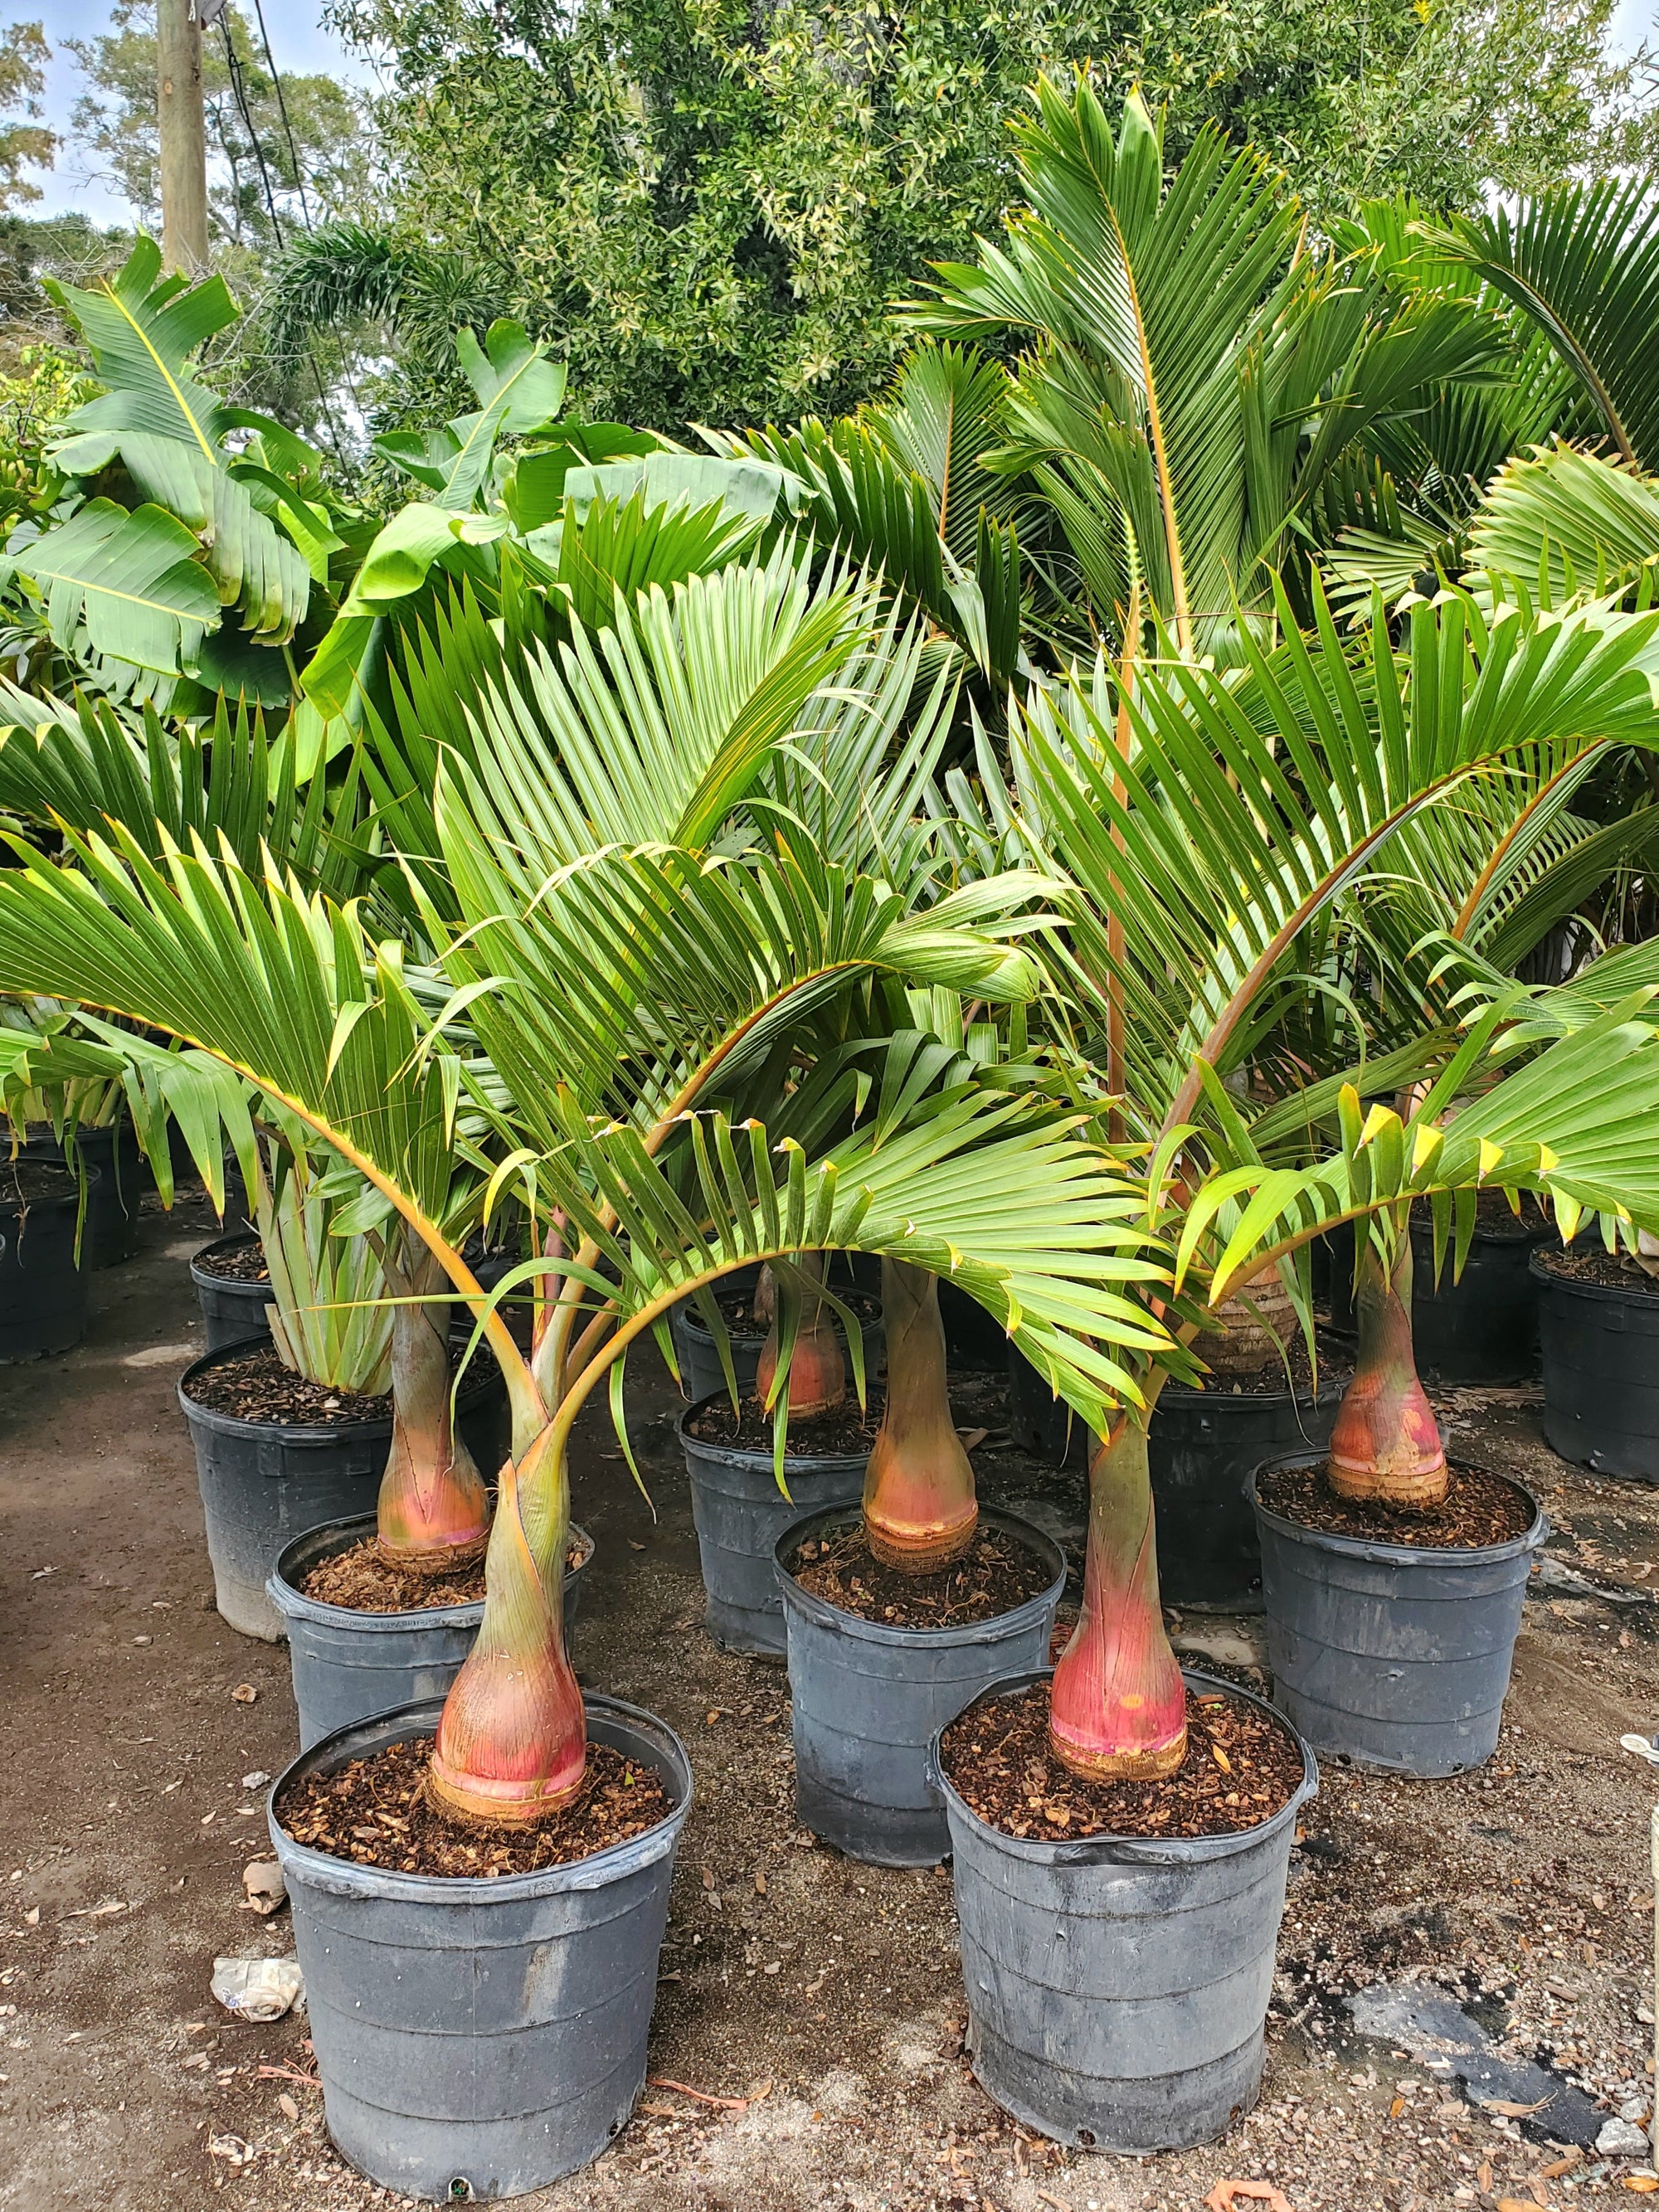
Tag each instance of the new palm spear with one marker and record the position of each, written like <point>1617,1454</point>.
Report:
<point>288,990</point>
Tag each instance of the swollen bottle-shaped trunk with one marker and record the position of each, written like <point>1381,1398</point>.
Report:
<point>1386,1444</point>
<point>817,1366</point>
<point>432,1510</point>
<point>1119,1703</point>
<point>512,1739</point>
<point>920,1510</point>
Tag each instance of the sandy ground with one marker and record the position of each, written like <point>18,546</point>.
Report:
<point>825,1996</point>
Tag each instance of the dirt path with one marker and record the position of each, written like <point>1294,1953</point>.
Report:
<point>825,1994</point>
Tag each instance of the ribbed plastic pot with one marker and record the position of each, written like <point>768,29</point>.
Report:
<point>1481,1328</point>
<point>1601,1373</point>
<point>701,1373</point>
<point>1395,1655</point>
<point>740,1513</point>
<point>43,1294</point>
<point>111,1233</point>
<point>1201,1447</point>
<point>231,1310</point>
<point>264,1483</point>
<point>478,2039</point>
<point>867,1699</point>
<point>1040,1423</point>
<point>1117,1986</point>
<point>347,1665</point>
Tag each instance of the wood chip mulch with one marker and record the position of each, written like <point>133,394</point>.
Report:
<point>255,1386</point>
<point>736,1310</point>
<point>1242,1766</point>
<point>1481,1508</point>
<point>1594,1263</point>
<point>363,1580</point>
<point>25,1182</point>
<point>996,1574</point>
<point>847,1431</point>
<point>376,1811</point>
<point>242,1263</point>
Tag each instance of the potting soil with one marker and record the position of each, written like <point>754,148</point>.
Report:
<point>1242,1766</point>
<point>994,1575</point>
<point>1480,1508</point>
<point>377,1811</point>
<point>362,1579</point>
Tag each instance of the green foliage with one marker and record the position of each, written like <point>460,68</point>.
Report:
<point>709,210</point>
<point>25,143</point>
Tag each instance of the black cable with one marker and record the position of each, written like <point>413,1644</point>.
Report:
<point>237,87</point>
<point>300,182</point>
<point>282,109</point>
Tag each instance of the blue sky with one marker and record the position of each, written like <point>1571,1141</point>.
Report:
<point>297,39</point>
<point>301,43</point>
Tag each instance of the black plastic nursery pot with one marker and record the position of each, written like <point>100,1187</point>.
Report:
<point>1118,1986</point>
<point>867,1699</point>
<point>264,1483</point>
<point>1202,1446</point>
<point>1397,1655</point>
<point>111,1231</point>
<point>349,1665</point>
<point>476,2039</point>
<point>739,1513</point>
<point>1039,1422</point>
<point>1600,1343</point>
<point>1482,1329</point>
<point>701,1373</point>
<point>43,1293</point>
<point>231,1309</point>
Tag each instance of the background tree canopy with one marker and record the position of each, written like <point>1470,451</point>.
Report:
<point>708,206</point>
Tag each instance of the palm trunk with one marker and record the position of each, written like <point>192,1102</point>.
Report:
<point>512,1744</point>
<point>817,1366</point>
<point>920,1510</point>
<point>1385,1445</point>
<point>1119,1703</point>
<point>433,1513</point>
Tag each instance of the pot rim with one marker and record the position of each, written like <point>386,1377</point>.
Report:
<point>1377,1553</point>
<point>347,1878</point>
<point>93,1174</point>
<point>692,1322</point>
<point>293,1603</point>
<point>293,1432</point>
<point>1125,1850</point>
<point>229,1282</point>
<point>760,1455</point>
<point>823,1615</point>
<point>1616,1294</point>
<point>1183,1393</point>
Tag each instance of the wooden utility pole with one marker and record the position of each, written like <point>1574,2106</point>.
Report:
<point>184,137</point>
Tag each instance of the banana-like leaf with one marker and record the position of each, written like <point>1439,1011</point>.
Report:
<point>140,329</point>
<point>255,567</point>
<point>121,587</point>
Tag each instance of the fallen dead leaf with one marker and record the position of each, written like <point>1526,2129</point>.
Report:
<point>1513,2111</point>
<point>702,2096</point>
<point>1561,2165</point>
<point>244,1694</point>
<point>1223,2196</point>
<point>1645,2184</point>
<point>1483,2177</point>
<point>1396,2108</point>
<point>760,1885</point>
<point>104,1909</point>
<point>1059,2203</point>
<point>287,2107</point>
<point>972,1438</point>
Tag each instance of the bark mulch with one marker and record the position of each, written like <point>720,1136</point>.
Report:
<point>255,1386</point>
<point>736,1310</point>
<point>243,1263</point>
<point>1594,1263</point>
<point>994,1575</point>
<point>24,1183</point>
<point>1242,1766</point>
<point>376,1811</point>
<point>846,1432</point>
<point>1481,1508</point>
<point>363,1580</point>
